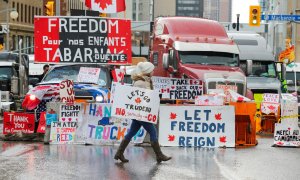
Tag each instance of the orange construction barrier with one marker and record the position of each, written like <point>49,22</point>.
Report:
<point>245,126</point>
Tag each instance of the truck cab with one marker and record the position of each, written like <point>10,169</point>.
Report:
<point>195,48</point>
<point>257,62</point>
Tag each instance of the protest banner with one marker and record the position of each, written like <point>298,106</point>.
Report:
<point>88,75</point>
<point>136,103</point>
<point>268,108</point>
<point>62,132</point>
<point>226,89</point>
<point>178,89</point>
<point>68,39</point>
<point>99,127</point>
<point>197,126</point>
<point>286,132</point>
<point>42,123</point>
<point>18,122</point>
<point>70,113</point>
<point>271,98</point>
<point>66,91</point>
<point>209,100</point>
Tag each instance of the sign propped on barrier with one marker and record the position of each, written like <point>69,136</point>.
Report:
<point>136,103</point>
<point>18,122</point>
<point>197,126</point>
<point>70,39</point>
<point>178,89</point>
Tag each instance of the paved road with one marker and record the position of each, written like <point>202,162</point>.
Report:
<point>39,161</point>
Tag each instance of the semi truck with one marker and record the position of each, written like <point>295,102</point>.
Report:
<point>195,48</point>
<point>14,69</point>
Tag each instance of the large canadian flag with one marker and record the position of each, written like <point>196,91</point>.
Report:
<point>106,6</point>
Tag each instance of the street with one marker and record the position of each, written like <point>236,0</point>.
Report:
<point>21,160</point>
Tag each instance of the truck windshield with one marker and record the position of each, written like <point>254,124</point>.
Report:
<point>60,73</point>
<point>5,72</point>
<point>261,68</point>
<point>208,58</point>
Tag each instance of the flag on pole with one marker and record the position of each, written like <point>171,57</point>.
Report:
<point>106,6</point>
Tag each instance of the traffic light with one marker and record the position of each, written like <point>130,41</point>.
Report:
<point>49,8</point>
<point>254,16</point>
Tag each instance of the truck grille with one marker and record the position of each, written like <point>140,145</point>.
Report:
<point>240,86</point>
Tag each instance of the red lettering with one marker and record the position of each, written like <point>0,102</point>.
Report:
<point>120,111</point>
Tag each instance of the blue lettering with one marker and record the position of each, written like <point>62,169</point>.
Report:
<point>181,141</point>
<point>58,138</point>
<point>207,114</point>
<point>107,111</point>
<point>196,115</point>
<point>181,126</point>
<point>212,127</point>
<point>173,124</point>
<point>188,141</point>
<point>204,127</point>
<point>92,128</point>
<point>221,127</point>
<point>189,126</point>
<point>210,142</point>
<point>197,124</point>
<point>92,110</point>
<point>186,115</point>
<point>112,137</point>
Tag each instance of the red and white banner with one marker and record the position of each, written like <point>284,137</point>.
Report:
<point>18,122</point>
<point>106,6</point>
<point>73,39</point>
<point>118,75</point>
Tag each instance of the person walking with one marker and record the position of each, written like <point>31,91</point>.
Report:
<point>142,78</point>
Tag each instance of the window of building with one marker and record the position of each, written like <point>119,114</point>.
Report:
<point>25,17</point>
<point>18,10</point>
<point>32,14</point>
<point>21,14</point>
<point>40,11</point>
<point>13,6</point>
<point>29,14</point>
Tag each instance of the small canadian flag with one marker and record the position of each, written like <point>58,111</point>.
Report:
<point>106,6</point>
<point>118,74</point>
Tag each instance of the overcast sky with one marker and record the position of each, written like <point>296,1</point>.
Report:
<point>242,7</point>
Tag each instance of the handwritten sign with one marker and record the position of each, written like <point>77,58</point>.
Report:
<point>136,103</point>
<point>66,91</point>
<point>209,100</point>
<point>70,39</point>
<point>70,113</point>
<point>226,89</point>
<point>113,89</point>
<point>271,98</point>
<point>62,132</point>
<point>88,75</point>
<point>286,135</point>
<point>178,89</point>
<point>99,127</point>
<point>18,122</point>
<point>197,126</point>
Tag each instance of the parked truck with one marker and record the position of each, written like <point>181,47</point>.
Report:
<point>186,47</point>
<point>13,79</point>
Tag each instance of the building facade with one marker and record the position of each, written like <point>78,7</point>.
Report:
<point>218,10</point>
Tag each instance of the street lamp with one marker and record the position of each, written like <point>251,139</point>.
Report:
<point>12,13</point>
<point>237,22</point>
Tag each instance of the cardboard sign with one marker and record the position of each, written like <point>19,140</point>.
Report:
<point>268,108</point>
<point>18,122</point>
<point>209,100</point>
<point>136,103</point>
<point>68,39</point>
<point>99,128</point>
<point>70,113</point>
<point>66,92</point>
<point>42,123</point>
<point>286,135</point>
<point>88,75</point>
<point>197,126</point>
<point>271,98</point>
<point>178,89</point>
<point>113,89</point>
<point>226,89</point>
<point>62,132</point>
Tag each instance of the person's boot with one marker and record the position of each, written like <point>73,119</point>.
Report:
<point>121,149</point>
<point>159,155</point>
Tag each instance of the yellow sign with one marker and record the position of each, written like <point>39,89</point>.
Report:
<point>254,16</point>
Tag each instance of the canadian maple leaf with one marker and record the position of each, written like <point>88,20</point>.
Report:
<point>218,116</point>
<point>206,100</point>
<point>171,137</point>
<point>271,107</point>
<point>223,139</point>
<point>103,3</point>
<point>280,143</point>
<point>138,100</point>
<point>240,99</point>
<point>173,115</point>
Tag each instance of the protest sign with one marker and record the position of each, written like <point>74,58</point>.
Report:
<point>62,132</point>
<point>209,100</point>
<point>136,103</point>
<point>18,122</point>
<point>226,89</point>
<point>286,135</point>
<point>268,108</point>
<point>99,127</point>
<point>197,126</point>
<point>178,89</point>
<point>113,89</point>
<point>42,123</point>
<point>70,113</point>
<point>271,98</point>
<point>68,39</point>
<point>88,75</point>
<point>66,91</point>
